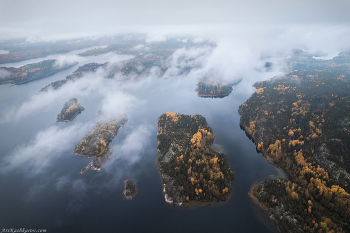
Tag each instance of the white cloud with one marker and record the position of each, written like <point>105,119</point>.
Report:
<point>4,73</point>
<point>43,149</point>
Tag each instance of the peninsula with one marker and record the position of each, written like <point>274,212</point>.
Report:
<point>300,122</point>
<point>31,72</point>
<point>193,174</point>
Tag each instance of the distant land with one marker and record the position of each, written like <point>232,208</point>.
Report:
<point>69,111</point>
<point>21,49</point>
<point>301,123</point>
<point>82,70</point>
<point>96,142</point>
<point>32,72</point>
<point>193,174</point>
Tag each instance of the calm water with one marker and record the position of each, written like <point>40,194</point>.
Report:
<point>50,192</point>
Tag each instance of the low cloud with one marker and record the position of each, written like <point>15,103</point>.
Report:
<point>46,146</point>
<point>156,36</point>
<point>66,60</point>
<point>4,73</point>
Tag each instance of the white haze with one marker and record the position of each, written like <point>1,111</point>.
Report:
<point>4,73</point>
<point>35,156</point>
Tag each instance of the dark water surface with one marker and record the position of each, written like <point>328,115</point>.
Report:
<point>59,199</point>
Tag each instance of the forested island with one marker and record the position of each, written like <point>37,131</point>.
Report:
<point>96,142</point>
<point>69,111</point>
<point>215,89</point>
<point>193,174</point>
<point>82,70</point>
<point>32,72</point>
<point>130,190</point>
<point>301,123</point>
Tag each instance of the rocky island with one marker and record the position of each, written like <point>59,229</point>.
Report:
<point>300,122</point>
<point>193,174</point>
<point>32,72</point>
<point>82,70</point>
<point>69,111</point>
<point>96,142</point>
<point>130,190</point>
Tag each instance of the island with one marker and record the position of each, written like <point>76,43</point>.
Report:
<point>82,70</point>
<point>69,111</point>
<point>215,89</point>
<point>31,72</point>
<point>300,122</point>
<point>193,174</point>
<point>130,190</point>
<point>96,142</point>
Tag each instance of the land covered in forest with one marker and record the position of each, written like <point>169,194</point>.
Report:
<point>69,111</point>
<point>82,70</point>
<point>301,123</point>
<point>193,174</point>
<point>96,142</point>
<point>130,190</point>
<point>31,72</point>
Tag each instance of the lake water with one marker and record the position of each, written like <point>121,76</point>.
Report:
<point>50,193</point>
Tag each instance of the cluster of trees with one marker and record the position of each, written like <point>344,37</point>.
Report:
<point>294,201</point>
<point>291,119</point>
<point>203,173</point>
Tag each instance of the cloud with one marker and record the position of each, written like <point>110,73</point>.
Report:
<point>184,59</point>
<point>4,73</point>
<point>133,146</point>
<point>138,47</point>
<point>47,145</point>
<point>156,36</point>
<point>63,60</point>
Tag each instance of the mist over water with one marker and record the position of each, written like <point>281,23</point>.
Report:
<point>41,183</point>
<point>39,174</point>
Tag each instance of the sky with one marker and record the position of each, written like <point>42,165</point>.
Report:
<point>42,17</point>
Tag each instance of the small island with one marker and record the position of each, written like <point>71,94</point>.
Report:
<point>69,111</point>
<point>96,142</point>
<point>31,72</point>
<point>215,89</point>
<point>193,174</point>
<point>130,190</point>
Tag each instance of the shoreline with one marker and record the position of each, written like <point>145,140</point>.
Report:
<point>262,211</point>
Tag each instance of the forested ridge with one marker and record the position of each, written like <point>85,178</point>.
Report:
<point>197,172</point>
<point>301,123</point>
